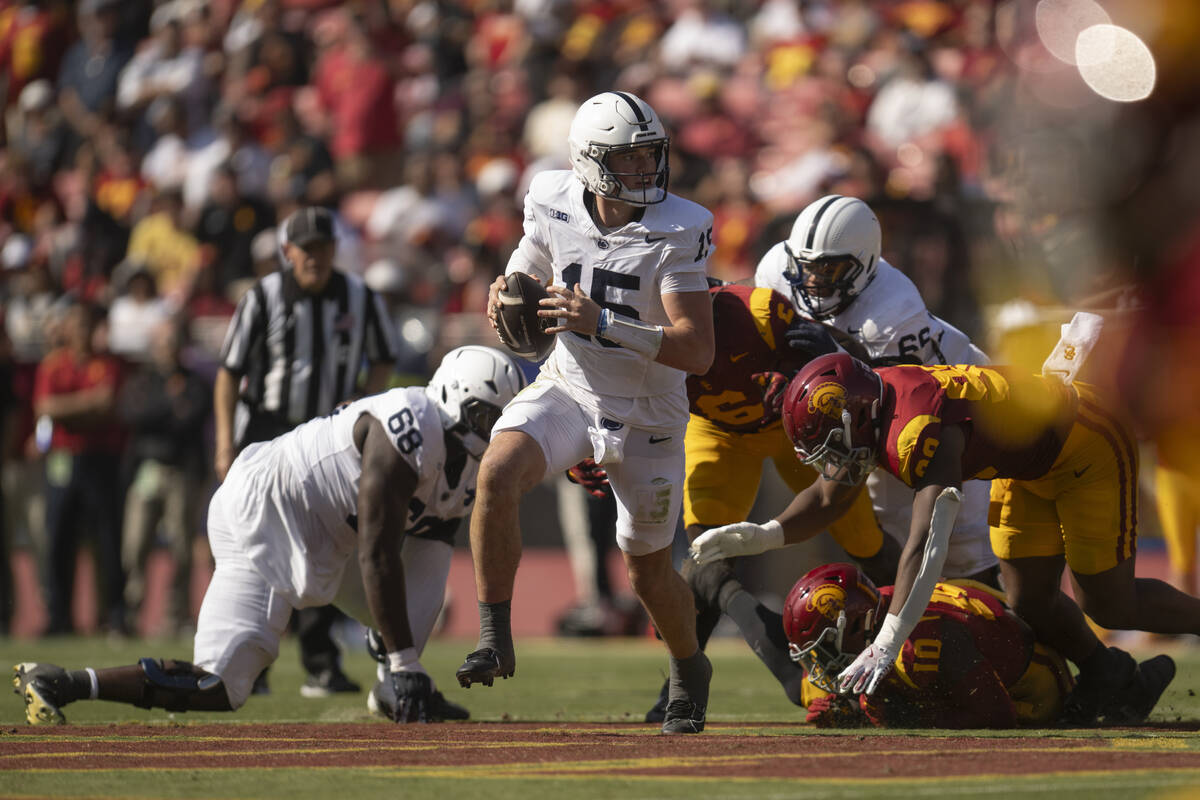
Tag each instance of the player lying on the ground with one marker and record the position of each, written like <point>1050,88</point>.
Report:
<point>1064,492</point>
<point>969,662</point>
<point>286,521</point>
<point>735,429</point>
<point>624,261</point>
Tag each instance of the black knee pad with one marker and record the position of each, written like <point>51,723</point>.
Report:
<point>172,688</point>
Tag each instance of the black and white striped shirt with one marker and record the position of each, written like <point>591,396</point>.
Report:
<point>299,355</point>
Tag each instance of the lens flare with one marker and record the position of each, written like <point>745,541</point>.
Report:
<point>1115,63</point>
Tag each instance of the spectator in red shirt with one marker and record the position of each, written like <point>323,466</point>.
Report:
<point>355,87</point>
<point>74,395</point>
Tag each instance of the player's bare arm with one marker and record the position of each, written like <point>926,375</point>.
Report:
<point>688,344</point>
<point>385,488</point>
<point>815,509</point>
<point>225,394</point>
<point>809,513</point>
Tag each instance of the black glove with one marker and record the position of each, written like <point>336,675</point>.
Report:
<point>591,476</point>
<point>414,692</point>
<point>810,338</point>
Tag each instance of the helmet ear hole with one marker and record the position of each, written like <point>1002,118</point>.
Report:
<point>469,388</point>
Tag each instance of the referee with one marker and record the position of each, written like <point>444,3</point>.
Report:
<point>293,351</point>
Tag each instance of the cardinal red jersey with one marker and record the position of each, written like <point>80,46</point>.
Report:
<point>957,666</point>
<point>1015,422</point>
<point>749,324</point>
<point>1004,641</point>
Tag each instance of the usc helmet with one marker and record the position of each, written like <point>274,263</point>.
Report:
<point>470,388</point>
<point>614,122</point>
<point>820,609</point>
<point>831,415</point>
<point>833,254</point>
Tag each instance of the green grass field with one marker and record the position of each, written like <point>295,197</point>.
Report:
<point>557,680</point>
<point>603,680</point>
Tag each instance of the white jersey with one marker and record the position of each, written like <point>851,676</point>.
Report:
<point>627,270</point>
<point>293,501</point>
<point>889,318</point>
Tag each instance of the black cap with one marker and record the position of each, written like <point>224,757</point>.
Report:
<point>308,225</point>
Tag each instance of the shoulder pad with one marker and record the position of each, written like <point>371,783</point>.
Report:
<point>680,220</point>
<point>550,187</point>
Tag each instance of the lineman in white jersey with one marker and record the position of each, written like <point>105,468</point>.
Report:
<point>625,264</point>
<point>291,514</point>
<point>831,268</point>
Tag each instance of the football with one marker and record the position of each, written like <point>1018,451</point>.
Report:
<point>520,328</point>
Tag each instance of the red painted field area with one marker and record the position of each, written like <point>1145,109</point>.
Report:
<point>612,750</point>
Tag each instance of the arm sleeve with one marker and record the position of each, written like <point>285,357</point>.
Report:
<point>248,322</point>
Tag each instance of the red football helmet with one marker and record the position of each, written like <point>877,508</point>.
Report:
<point>820,609</point>
<point>831,414</point>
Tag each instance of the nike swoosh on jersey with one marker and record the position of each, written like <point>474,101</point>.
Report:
<point>652,240</point>
<point>658,439</point>
<point>1079,472</point>
<point>738,357</point>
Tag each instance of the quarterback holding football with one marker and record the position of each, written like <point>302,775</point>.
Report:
<point>624,264</point>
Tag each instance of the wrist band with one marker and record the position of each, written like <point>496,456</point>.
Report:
<point>773,534</point>
<point>400,660</point>
<point>630,333</point>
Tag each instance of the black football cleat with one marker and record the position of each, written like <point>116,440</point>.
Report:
<point>1133,705</point>
<point>683,716</point>
<point>658,712</point>
<point>483,666</point>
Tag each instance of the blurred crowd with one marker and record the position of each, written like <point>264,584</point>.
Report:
<point>150,148</point>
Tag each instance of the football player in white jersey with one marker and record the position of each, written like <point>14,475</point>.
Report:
<point>288,518</point>
<point>625,262</point>
<point>830,266</point>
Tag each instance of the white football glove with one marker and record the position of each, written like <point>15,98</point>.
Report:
<point>738,539</point>
<point>865,672</point>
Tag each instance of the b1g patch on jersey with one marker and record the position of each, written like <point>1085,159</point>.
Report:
<point>561,216</point>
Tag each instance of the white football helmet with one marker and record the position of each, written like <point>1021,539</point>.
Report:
<point>471,387</point>
<point>613,122</point>
<point>833,254</point>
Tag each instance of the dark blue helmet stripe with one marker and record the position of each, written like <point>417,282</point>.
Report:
<point>812,227</point>
<point>637,111</point>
